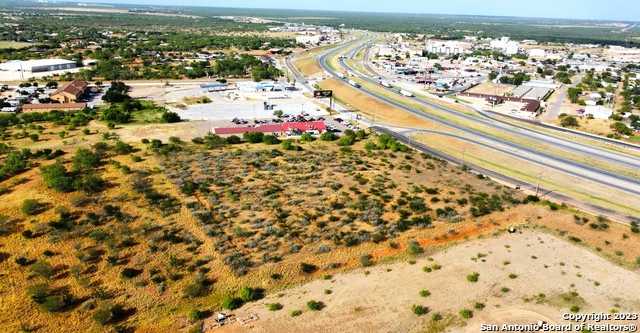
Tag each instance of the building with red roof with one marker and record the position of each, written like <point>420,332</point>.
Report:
<point>275,128</point>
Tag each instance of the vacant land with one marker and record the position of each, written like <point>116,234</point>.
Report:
<point>519,278</point>
<point>105,231</point>
<point>13,45</point>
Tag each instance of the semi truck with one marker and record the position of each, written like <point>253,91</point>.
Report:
<point>406,93</point>
<point>354,83</point>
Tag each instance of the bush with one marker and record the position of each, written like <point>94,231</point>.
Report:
<point>308,268</point>
<point>479,306</point>
<point>89,183</point>
<point>231,303</point>
<point>327,136</point>
<point>49,299</point>
<point>569,121</point>
<point>122,148</point>
<point>109,314</point>
<point>55,176</point>
<point>366,260</point>
<point>473,277</point>
<point>247,294</point>
<point>170,117</point>
<point>274,306</point>
<point>419,310</point>
<point>195,315</point>
<point>233,140</point>
<point>315,305</point>
<point>425,293</point>
<point>270,140</point>
<point>466,313</point>
<point>43,269</point>
<point>129,273</point>
<point>32,207</point>
<point>414,248</point>
<point>253,137</point>
<point>197,288</point>
<point>296,313</point>
<point>85,160</point>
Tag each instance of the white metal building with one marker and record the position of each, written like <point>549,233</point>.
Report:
<point>505,45</point>
<point>37,66</point>
<point>448,47</point>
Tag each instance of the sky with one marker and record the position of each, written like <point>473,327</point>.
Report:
<point>581,9</point>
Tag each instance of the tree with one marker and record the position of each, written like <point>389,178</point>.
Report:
<point>55,176</point>
<point>85,160</point>
<point>117,93</point>
<point>253,137</point>
<point>574,94</point>
<point>569,121</point>
<point>170,117</point>
<point>621,128</point>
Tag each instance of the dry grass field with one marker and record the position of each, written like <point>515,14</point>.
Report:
<point>111,234</point>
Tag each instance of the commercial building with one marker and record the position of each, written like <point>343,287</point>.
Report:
<point>26,69</point>
<point>70,93</point>
<point>448,47</point>
<point>37,66</point>
<point>283,128</point>
<point>505,45</point>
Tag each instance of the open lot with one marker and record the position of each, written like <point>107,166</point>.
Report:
<point>379,299</point>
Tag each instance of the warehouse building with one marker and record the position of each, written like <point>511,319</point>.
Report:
<point>38,66</point>
<point>26,69</point>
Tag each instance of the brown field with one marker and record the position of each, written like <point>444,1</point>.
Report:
<point>307,66</point>
<point>178,227</point>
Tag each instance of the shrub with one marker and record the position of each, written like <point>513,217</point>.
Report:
<point>122,148</point>
<point>170,117</point>
<point>274,306</point>
<point>253,137</point>
<point>466,313</point>
<point>247,294</point>
<point>197,288</point>
<point>129,273</point>
<point>49,299</point>
<point>315,305</point>
<point>308,268</point>
<point>296,313</point>
<point>43,269</point>
<point>195,315</point>
<point>569,121</point>
<point>366,260</point>
<point>233,140</point>
<point>479,306</point>
<point>425,293</point>
<point>231,303</point>
<point>85,160</point>
<point>32,207</point>
<point>473,277</point>
<point>419,310</point>
<point>89,183</point>
<point>327,136</point>
<point>110,313</point>
<point>414,248</point>
<point>270,140</point>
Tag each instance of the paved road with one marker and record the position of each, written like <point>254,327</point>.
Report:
<point>626,184</point>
